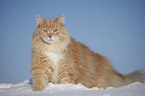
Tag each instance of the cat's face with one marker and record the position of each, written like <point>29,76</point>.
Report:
<point>50,35</point>
<point>51,30</point>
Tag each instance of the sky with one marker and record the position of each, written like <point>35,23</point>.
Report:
<point>112,28</point>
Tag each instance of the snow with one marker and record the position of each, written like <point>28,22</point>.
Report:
<point>25,89</point>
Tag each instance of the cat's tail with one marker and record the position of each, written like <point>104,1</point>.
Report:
<point>137,76</point>
<point>121,80</point>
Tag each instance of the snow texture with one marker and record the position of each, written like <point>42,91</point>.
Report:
<point>25,89</point>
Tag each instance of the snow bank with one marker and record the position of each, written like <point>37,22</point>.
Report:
<point>25,89</point>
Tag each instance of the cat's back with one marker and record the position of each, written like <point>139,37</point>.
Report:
<point>83,53</point>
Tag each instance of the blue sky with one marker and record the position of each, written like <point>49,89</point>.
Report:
<point>112,28</point>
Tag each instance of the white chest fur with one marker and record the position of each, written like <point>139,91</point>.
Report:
<point>55,57</point>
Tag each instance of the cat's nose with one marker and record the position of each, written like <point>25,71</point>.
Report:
<point>49,36</point>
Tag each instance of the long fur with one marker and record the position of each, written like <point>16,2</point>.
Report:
<point>68,61</point>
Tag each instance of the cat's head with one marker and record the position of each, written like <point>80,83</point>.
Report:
<point>51,30</point>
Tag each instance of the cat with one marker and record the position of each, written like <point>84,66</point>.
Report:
<point>58,58</point>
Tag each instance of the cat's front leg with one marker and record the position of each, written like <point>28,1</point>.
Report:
<point>41,70</point>
<point>39,79</point>
<point>39,83</point>
<point>66,77</point>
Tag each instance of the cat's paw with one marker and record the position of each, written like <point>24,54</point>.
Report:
<point>38,85</point>
<point>65,80</point>
<point>38,88</point>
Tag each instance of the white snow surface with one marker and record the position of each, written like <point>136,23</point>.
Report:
<point>25,89</point>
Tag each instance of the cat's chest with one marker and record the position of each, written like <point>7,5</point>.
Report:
<point>54,56</point>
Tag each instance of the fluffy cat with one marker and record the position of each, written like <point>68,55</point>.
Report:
<point>58,58</point>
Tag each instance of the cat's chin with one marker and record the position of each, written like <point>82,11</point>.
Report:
<point>50,42</point>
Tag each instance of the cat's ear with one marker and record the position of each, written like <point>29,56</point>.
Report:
<point>61,19</point>
<point>39,20</point>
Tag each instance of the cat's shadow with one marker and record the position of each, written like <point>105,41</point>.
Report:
<point>30,81</point>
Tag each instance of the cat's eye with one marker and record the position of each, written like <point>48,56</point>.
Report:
<point>45,31</point>
<point>55,30</point>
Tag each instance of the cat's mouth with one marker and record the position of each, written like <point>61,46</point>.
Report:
<point>50,41</point>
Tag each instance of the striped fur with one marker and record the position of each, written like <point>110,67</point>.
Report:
<point>60,59</point>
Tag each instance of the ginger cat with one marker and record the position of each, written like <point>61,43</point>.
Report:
<point>58,58</point>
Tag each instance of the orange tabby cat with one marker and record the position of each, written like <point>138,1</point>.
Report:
<point>58,58</point>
